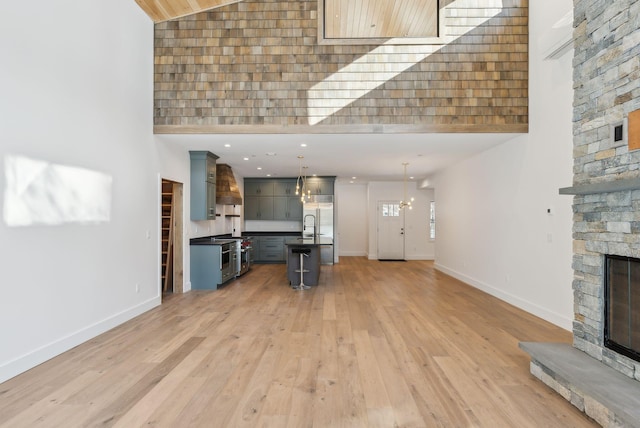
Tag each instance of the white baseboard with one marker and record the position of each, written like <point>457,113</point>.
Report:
<point>38,356</point>
<point>412,257</point>
<point>545,314</point>
<point>421,257</point>
<point>352,253</point>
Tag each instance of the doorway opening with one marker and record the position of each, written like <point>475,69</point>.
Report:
<point>390,231</point>
<point>171,248</point>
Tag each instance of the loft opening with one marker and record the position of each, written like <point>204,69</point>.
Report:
<point>378,21</point>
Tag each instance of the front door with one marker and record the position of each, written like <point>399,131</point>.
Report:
<point>390,231</point>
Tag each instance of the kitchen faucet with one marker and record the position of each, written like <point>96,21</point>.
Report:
<point>304,223</point>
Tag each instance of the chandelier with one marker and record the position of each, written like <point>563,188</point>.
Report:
<point>301,182</point>
<point>405,203</point>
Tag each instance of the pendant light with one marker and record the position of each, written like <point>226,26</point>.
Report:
<point>301,183</point>
<point>405,203</point>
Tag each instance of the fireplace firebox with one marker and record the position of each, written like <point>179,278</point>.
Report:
<point>622,305</point>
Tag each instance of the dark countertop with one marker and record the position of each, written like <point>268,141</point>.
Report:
<point>309,242</point>
<point>225,238</point>
<point>271,233</point>
<point>210,240</point>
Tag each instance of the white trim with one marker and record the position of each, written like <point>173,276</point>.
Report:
<point>353,254</point>
<point>420,257</point>
<point>559,49</point>
<point>46,352</point>
<point>539,311</point>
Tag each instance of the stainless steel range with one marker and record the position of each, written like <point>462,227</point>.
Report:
<point>245,246</point>
<point>228,260</point>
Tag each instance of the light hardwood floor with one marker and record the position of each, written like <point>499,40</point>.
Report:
<point>378,344</point>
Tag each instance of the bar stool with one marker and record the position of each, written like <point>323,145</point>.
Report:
<point>304,252</point>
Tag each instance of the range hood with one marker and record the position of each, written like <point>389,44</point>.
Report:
<point>227,192</point>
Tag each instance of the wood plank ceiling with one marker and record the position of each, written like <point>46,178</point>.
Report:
<point>165,10</point>
<point>355,19</point>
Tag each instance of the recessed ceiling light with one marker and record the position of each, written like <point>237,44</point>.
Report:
<point>268,175</point>
<point>259,168</point>
<point>227,145</point>
<point>351,182</point>
<point>353,178</point>
<point>303,145</point>
<point>410,178</point>
<point>246,158</point>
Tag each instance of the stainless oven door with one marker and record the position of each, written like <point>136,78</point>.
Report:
<point>245,257</point>
<point>227,262</point>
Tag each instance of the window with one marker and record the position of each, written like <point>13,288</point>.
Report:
<point>432,220</point>
<point>390,210</point>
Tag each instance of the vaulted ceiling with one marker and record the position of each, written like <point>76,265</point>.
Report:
<point>343,19</point>
<point>165,10</point>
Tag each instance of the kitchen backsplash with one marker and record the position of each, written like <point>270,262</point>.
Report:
<point>272,226</point>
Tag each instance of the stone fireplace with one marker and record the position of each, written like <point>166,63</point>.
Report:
<point>605,224</point>
<point>601,380</point>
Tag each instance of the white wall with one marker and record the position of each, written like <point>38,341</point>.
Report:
<point>417,243</point>
<point>351,219</point>
<point>77,90</point>
<point>493,230</point>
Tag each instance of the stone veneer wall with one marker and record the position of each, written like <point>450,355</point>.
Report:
<point>607,88</point>
<point>254,62</point>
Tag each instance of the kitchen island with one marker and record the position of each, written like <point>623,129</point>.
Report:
<point>310,247</point>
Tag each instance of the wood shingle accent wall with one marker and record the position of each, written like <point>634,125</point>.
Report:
<point>257,66</point>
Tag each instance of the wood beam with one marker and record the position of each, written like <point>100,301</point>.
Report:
<point>165,10</point>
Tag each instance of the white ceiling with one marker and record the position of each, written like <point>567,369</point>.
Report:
<point>368,157</point>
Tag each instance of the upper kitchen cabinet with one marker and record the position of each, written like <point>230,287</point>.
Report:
<point>320,185</point>
<point>258,187</point>
<point>203,185</point>
<point>258,208</point>
<point>284,187</point>
<point>287,208</point>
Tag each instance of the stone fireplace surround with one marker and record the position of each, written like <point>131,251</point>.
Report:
<point>599,381</point>
<point>606,206</point>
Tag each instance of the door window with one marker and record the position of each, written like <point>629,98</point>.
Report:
<point>390,210</point>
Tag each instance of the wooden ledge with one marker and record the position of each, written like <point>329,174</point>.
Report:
<point>340,129</point>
